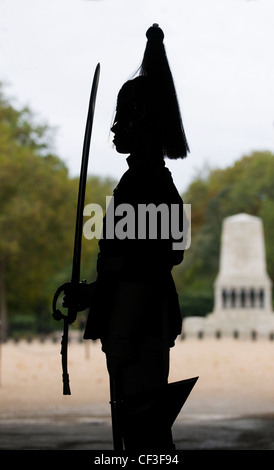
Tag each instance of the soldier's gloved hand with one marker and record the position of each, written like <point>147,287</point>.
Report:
<point>76,296</point>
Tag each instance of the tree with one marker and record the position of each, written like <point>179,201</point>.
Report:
<point>246,186</point>
<point>33,183</point>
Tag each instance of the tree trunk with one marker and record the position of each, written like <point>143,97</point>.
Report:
<point>3,304</point>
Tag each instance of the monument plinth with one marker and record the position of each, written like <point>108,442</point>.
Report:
<point>242,289</point>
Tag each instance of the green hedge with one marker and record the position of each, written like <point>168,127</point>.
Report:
<point>196,304</point>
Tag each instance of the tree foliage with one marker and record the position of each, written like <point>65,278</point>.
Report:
<point>38,203</point>
<point>246,186</point>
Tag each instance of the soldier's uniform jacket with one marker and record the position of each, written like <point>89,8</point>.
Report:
<point>131,266</point>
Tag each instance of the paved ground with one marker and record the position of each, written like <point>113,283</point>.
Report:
<point>81,433</point>
<point>235,390</point>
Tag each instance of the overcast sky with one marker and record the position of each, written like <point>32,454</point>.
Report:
<point>220,53</point>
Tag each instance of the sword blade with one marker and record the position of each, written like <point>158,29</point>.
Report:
<point>75,277</point>
<point>76,263</point>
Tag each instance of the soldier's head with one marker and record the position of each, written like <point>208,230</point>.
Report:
<point>147,112</point>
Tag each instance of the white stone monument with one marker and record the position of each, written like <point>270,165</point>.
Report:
<point>243,298</point>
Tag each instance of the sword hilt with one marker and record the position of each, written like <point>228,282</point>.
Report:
<point>72,311</point>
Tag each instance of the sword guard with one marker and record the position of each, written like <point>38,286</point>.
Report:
<point>57,314</point>
<point>75,301</point>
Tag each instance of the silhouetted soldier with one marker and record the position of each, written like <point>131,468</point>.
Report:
<point>134,310</point>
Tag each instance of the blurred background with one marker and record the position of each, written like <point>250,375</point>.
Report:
<point>220,53</point>
<point>221,56</point>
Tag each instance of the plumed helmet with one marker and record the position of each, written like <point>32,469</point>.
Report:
<point>151,98</point>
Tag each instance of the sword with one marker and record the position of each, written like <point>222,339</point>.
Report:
<point>75,276</point>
